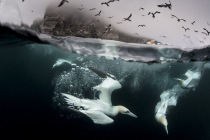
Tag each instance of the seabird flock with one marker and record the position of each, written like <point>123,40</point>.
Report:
<point>153,14</point>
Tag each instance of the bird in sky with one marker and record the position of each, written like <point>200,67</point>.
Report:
<point>92,9</point>
<point>178,19</point>
<point>106,3</point>
<point>206,31</point>
<point>166,5</point>
<point>142,25</point>
<point>185,28</point>
<point>193,23</point>
<point>153,14</point>
<point>141,8</point>
<point>98,13</point>
<point>99,110</point>
<point>128,18</point>
<point>62,2</point>
<point>110,17</point>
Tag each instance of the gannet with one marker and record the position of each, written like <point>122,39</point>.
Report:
<point>99,110</point>
<point>160,115</point>
<point>191,81</point>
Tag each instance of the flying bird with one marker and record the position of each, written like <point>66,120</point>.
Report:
<point>110,17</point>
<point>106,3</point>
<point>98,14</point>
<point>153,14</point>
<point>193,23</point>
<point>185,28</point>
<point>166,5</point>
<point>141,8</point>
<point>206,31</point>
<point>101,109</point>
<point>196,31</point>
<point>178,19</point>
<point>128,18</point>
<point>119,22</point>
<point>163,36</point>
<point>92,9</point>
<point>142,25</point>
<point>62,2</point>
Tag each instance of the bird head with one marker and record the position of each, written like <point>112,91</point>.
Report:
<point>162,120</point>
<point>180,81</point>
<point>124,110</point>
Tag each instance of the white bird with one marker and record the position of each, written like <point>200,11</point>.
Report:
<point>192,80</point>
<point>160,115</point>
<point>99,110</point>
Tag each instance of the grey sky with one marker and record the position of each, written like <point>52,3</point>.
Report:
<point>162,25</point>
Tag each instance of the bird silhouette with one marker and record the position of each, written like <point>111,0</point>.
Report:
<point>163,36</point>
<point>193,23</point>
<point>196,31</point>
<point>185,28</point>
<point>128,18</point>
<point>136,34</point>
<point>141,8</point>
<point>98,14</point>
<point>178,19</point>
<point>142,25</point>
<point>119,22</point>
<point>110,17</point>
<point>206,31</point>
<point>92,9</point>
<point>62,2</point>
<point>106,3</point>
<point>166,5</point>
<point>153,14</point>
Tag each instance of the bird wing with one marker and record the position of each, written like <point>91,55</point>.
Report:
<point>97,117</point>
<point>106,88</point>
<point>189,73</point>
<point>157,12</point>
<point>61,3</point>
<point>129,16</point>
<point>161,5</point>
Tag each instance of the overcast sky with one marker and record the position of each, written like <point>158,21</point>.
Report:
<point>163,25</point>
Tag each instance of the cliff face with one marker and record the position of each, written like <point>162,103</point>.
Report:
<point>57,24</point>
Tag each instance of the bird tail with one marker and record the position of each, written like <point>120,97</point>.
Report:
<point>71,100</point>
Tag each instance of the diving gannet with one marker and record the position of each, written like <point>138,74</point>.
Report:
<point>99,110</point>
<point>160,115</point>
<point>192,79</point>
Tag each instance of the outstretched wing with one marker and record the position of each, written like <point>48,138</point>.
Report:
<point>61,3</point>
<point>106,88</point>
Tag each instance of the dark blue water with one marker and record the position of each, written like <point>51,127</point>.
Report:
<point>28,106</point>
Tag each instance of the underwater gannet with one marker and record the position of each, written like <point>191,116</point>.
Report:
<point>160,115</point>
<point>99,110</point>
<point>192,79</point>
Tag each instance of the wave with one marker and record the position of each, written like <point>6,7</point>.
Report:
<point>13,36</point>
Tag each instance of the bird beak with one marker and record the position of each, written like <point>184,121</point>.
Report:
<point>166,129</point>
<point>131,114</point>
